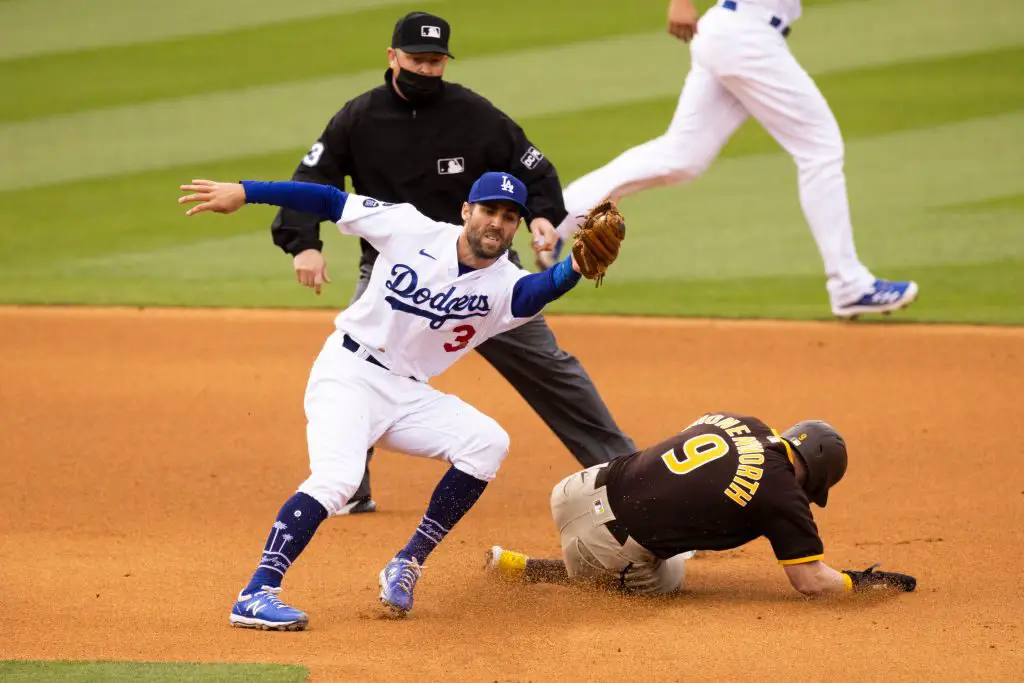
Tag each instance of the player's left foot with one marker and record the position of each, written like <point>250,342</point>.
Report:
<point>397,583</point>
<point>505,563</point>
<point>359,506</point>
<point>885,296</point>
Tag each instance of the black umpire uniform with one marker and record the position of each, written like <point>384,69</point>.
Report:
<point>427,150</point>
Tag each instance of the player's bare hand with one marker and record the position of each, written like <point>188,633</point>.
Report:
<point>575,266</point>
<point>213,196</point>
<point>682,19</point>
<point>545,236</point>
<point>311,269</point>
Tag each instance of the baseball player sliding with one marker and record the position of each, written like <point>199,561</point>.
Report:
<point>720,483</point>
<point>436,292</point>
<point>741,67</point>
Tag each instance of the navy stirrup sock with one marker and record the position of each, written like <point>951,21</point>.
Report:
<point>454,496</point>
<point>296,523</point>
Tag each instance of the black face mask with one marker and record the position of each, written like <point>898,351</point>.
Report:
<point>418,88</point>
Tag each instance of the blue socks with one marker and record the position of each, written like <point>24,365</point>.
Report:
<point>454,496</point>
<point>296,523</point>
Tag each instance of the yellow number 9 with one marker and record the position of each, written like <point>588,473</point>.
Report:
<point>700,450</point>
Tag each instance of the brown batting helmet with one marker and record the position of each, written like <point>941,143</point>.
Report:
<point>824,453</point>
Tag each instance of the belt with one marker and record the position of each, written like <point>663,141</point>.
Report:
<point>352,345</point>
<point>617,529</point>
<point>775,22</point>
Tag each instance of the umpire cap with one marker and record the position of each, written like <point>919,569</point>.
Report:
<point>419,32</point>
<point>823,451</point>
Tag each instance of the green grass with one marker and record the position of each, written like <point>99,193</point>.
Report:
<point>933,132</point>
<point>949,294</point>
<point>295,50</point>
<point>145,672</point>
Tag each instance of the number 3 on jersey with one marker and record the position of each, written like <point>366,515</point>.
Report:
<point>464,334</point>
<point>700,450</point>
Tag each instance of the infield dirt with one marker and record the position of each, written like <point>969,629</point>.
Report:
<point>146,452</point>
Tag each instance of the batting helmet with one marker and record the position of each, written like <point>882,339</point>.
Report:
<point>824,453</point>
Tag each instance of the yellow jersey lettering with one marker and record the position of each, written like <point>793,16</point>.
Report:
<point>749,485</point>
<point>752,459</point>
<point>738,495</point>
<point>750,472</point>
<point>727,422</point>
<point>737,430</point>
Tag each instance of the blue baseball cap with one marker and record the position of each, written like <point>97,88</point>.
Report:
<point>495,185</point>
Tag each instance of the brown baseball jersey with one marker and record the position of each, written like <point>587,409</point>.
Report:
<point>721,482</point>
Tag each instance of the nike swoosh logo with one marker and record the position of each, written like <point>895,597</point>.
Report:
<point>424,253</point>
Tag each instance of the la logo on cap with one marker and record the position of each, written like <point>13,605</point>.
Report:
<point>507,185</point>
<point>430,32</point>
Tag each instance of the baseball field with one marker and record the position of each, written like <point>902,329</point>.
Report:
<point>152,367</point>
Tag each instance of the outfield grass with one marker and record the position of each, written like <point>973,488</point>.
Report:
<point>96,137</point>
<point>147,672</point>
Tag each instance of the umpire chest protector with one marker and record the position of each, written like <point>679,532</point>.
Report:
<point>427,154</point>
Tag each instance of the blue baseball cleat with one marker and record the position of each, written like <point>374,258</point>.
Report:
<point>264,610</point>
<point>397,583</point>
<point>885,296</point>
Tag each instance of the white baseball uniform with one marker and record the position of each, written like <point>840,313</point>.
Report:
<point>417,317</point>
<point>742,66</point>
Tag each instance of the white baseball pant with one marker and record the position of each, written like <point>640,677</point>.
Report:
<point>742,66</point>
<point>352,404</point>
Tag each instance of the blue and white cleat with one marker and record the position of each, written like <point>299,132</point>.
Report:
<point>264,610</point>
<point>397,583</point>
<point>885,297</point>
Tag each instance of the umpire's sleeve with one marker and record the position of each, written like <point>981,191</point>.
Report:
<point>522,159</point>
<point>326,163</point>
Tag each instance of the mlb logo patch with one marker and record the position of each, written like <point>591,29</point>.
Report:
<point>532,157</point>
<point>430,32</point>
<point>451,166</point>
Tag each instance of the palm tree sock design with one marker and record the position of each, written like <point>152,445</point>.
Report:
<point>454,496</point>
<point>296,523</point>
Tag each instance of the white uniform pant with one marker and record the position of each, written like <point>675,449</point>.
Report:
<point>742,67</point>
<point>352,404</point>
<point>592,553</point>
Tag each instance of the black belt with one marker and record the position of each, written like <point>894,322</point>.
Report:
<point>775,22</point>
<point>353,346</point>
<point>616,527</point>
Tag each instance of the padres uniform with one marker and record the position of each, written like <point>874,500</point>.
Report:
<point>742,67</point>
<point>720,483</point>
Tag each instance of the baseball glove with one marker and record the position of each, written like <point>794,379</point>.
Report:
<point>869,578</point>
<point>596,243</point>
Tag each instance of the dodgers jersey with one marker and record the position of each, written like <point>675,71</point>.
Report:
<point>418,315</point>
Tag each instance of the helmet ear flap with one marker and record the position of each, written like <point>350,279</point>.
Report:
<point>823,452</point>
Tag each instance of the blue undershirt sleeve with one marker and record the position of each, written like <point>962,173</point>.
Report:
<point>533,292</point>
<point>323,200</point>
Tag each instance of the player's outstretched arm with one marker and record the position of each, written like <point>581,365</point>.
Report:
<point>533,292</point>
<point>229,197</point>
<point>817,578</point>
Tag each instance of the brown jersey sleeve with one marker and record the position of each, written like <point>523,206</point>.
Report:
<point>789,526</point>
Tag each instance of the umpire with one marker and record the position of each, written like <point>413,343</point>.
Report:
<point>421,140</point>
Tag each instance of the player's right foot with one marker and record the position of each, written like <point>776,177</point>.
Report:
<point>507,564</point>
<point>397,583</point>
<point>885,296</point>
<point>262,609</point>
